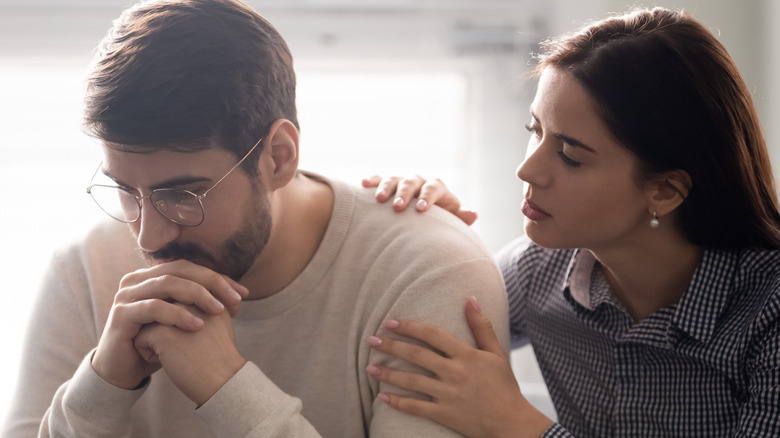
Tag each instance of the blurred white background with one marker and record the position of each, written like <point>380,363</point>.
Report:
<point>385,86</point>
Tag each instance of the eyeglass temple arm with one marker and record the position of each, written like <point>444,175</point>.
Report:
<point>207,191</point>
<point>203,195</point>
<point>93,176</point>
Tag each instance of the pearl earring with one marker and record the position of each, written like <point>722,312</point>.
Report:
<point>654,222</point>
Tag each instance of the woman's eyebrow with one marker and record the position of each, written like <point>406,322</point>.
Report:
<point>571,141</point>
<point>574,142</point>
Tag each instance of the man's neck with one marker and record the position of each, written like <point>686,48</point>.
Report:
<point>301,213</point>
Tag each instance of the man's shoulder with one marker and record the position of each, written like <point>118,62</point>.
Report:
<point>104,242</point>
<point>431,230</point>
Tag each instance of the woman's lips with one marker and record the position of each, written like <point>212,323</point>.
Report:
<point>533,212</point>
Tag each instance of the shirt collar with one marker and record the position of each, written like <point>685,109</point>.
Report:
<point>586,284</point>
<point>707,296</point>
<point>700,306</point>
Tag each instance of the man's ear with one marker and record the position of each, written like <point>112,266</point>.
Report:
<point>667,190</point>
<point>279,160</point>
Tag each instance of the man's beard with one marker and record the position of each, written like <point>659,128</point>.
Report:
<point>237,253</point>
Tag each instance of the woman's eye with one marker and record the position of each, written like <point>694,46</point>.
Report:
<point>567,160</point>
<point>533,130</point>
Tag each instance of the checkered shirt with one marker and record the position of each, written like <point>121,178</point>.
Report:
<point>708,366</point>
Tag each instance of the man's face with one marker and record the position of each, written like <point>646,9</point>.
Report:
<point>237,217</point>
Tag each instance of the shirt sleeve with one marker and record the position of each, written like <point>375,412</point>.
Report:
<point>759,415</point>
<point>515,263</point>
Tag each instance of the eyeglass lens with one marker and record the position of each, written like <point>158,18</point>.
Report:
<point>179,206</point>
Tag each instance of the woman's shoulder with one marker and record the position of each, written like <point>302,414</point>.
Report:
<point>522,257</point>
<point>765,262</point>
<point>752,281</point>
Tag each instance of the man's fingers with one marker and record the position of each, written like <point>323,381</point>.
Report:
<point>185,282</point>
<point>162,312</point>
<point>169,288</point>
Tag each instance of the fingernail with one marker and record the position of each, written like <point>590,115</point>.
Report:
<point>217,304</point>
<point>392,323</point>
<point>398,202</point>
<point>374,341</point>
<point>197,323</point>
<point>383,397</point>
<point>235,295</point>
<point>422,204</point>
<point>381,193</point>
<point>373,370</point>
<point>475,304</point>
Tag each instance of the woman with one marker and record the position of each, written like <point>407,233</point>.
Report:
<point>649,286</point>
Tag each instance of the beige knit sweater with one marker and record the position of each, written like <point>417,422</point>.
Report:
<point>305,345</point>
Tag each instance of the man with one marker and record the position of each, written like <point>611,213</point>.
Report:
<point>247,309</point>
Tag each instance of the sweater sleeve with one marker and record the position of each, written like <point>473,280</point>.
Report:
<point>58,337</point>
<point>88,406</point>
<point>56,393</point>
<point>437,297</point>
<point>250,405</point>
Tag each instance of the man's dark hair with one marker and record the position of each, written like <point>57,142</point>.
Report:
<point>186,74</point>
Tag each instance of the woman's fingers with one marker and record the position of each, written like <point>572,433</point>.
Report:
<point>435,337</point>
<point>431,193</point>
<point>407,380</point>
<point>482,329</point>
<point>407,188</point>
<point>385,186</point>
<point>467,216</point>
<point>428,193</point>
<point>411,406</point>
<point>418,355</point>
<point>371,181</point>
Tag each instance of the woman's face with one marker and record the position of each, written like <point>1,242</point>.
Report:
<point>581,186</point>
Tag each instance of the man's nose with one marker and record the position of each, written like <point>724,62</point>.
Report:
<point>153,230</point>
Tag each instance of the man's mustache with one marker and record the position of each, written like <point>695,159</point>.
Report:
<point>178,251</point>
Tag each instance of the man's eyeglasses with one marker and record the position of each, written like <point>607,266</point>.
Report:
<point>180,206</point>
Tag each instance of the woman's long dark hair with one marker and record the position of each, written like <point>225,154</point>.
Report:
<point>672,95</point>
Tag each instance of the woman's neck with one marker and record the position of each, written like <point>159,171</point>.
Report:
<point>647,278</point>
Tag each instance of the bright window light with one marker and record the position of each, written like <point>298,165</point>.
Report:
<point>356,124</point>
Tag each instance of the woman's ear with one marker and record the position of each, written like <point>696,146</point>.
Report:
<point>666,191</point>
<point>279,160</point>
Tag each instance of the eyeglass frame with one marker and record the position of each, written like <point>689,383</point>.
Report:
<point>140,199</point>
